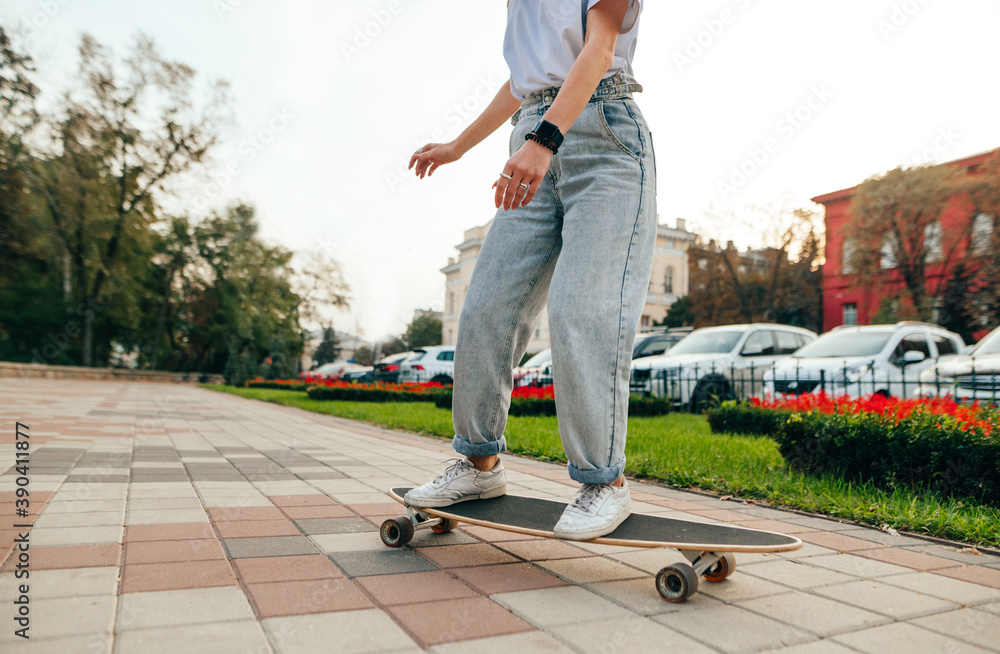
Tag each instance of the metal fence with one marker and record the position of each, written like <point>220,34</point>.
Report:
<point>695,388</point>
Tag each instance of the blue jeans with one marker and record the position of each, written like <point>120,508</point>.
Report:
<point>584,245</point>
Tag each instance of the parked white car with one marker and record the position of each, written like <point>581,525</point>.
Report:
<point>435,363</point>
<point>864,360</point>
<point>335,370</point>
<point>967,377</point>
<point>536,371</point>
<point>717,363</point>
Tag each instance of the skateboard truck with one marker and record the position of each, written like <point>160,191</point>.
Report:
<point>396,532</point>
<point>675,583</point>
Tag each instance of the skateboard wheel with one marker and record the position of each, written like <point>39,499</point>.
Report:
<point>725,567</point>
<point>447,524</point>
<point>396,532</point>
<point>676,583</point>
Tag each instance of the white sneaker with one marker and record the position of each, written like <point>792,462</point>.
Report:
<point>596,511</point>
<point>461,481</point>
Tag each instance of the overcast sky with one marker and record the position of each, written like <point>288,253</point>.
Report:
<point>821,94</point>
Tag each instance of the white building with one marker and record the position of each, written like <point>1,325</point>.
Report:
<point>668,281</point>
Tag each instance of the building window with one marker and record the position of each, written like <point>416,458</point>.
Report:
<point>933,242</point>
<point>850,315</point>
<point>982,234</point>
<point>451,302</point>
<point>888,259</point>
<point>668,280</point>
<point>644,321</point>
<point>848,253</point>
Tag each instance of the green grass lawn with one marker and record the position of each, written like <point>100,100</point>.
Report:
<point>680,450</point>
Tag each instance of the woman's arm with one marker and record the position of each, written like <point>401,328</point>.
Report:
<point>432,155</point>
<point>531,162</point>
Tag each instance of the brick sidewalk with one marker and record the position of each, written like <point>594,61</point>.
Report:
<point>169,518</point>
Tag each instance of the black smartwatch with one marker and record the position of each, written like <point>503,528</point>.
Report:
<point>547,134</point>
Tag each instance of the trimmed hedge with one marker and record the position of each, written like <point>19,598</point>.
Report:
<point>637,406</point>
<point>273,385</point>
<point>372,395</point>
<point>923,451</point>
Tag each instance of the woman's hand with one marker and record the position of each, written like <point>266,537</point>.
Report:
<point>433,155</point>
<point>528,166</point>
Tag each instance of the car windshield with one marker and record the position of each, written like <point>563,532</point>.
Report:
<point>327,367</point>
<point>708,342</point>
<point>989,345</point>
<point>845,344</point>
<point>539,360</point>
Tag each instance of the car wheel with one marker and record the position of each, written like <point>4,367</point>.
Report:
<point>711,392</point>
<point>444,380</point>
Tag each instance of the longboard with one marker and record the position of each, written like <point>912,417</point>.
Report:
<point>708,547</point>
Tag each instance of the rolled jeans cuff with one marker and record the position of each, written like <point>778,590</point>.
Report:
<point>489,448</point>
<point>597,475</point>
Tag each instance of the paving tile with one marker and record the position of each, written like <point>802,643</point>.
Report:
<point>543,550</point>
<point>235,513</point>
<point>857,566</point>
<point>160,503</point>
<point>390,590</point>
<point>368,540</point>
<point>256,528</point>
<point>175,531</point>
<point>334,525</point>
<point>239,548</point>
<point>903,637</point>
<point>301,500</point>
<point>381,562</point>
<point>526,641</point>
<point>627,635</point>
<point>819,615</point>
<point>795,574</point>
<point>145,577</point>
<point>819,647</point>
<point>65,536</point>
<point>181,607</point>
<point>447,621</point>
<point>976,627</point>
<point>732,629</point>
<point>64,616</point>
<point>892,601</point>
<point>837,542</point>
<point>740,587</point>
<point>550,607</point>
<point>974,574</point>
<point>495,535</point>
<point>89,643</point>
<point>590,570</point>
<point>77,519</point>
<point>640,597</point>
<point>169,551</point>
<point>237,637</point>
<point>454,556</point>
<point>507,578</point>
<point>71,582</point>
<point>70,556</point>
<point>165,516</point>
<point>968,556</point>
<point>317,512</point>
<point>356,632</point>
<point>649,560</point>
<point>281,598</point>
<point>380,510</point>
<point>907,559</point>
<point>286,568</point>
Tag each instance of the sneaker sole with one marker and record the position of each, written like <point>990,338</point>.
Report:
<point>596,532</point>
<point>437,504</point>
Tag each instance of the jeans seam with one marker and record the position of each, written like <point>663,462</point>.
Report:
<point>513,328</point>
<point>621,309</point>
<point>614,139</point>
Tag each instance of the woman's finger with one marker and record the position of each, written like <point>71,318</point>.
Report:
<point>501,186</point>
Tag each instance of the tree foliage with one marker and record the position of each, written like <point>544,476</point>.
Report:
<point>422,331</point>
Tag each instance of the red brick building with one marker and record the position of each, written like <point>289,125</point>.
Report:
<point>848,301</point>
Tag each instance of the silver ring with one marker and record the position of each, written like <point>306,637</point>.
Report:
<point>506,175</point>
<point>524,186</point>
<point>420,151</point>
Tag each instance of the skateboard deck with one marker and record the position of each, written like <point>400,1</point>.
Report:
<point>709,547</point>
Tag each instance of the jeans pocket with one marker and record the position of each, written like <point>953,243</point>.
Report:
<point>621,127</point>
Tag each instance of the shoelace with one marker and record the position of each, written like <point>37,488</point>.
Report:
<point>587,496</point>
<point>452,470</point>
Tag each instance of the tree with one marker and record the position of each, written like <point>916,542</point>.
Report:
<point>422,331</point>
<point>982,295</point>
<point>319,283</point>
<point>329,348</point>
<point>895,231</point>
<point>679,314</point>
<point>113,143</point>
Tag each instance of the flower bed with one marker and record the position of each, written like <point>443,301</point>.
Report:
<point>377,392</point>
<point>531,401</point>
<point>933,444</point>
<point>278,384</point>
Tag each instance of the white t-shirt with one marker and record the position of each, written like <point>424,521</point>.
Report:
<point>544,38</point>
